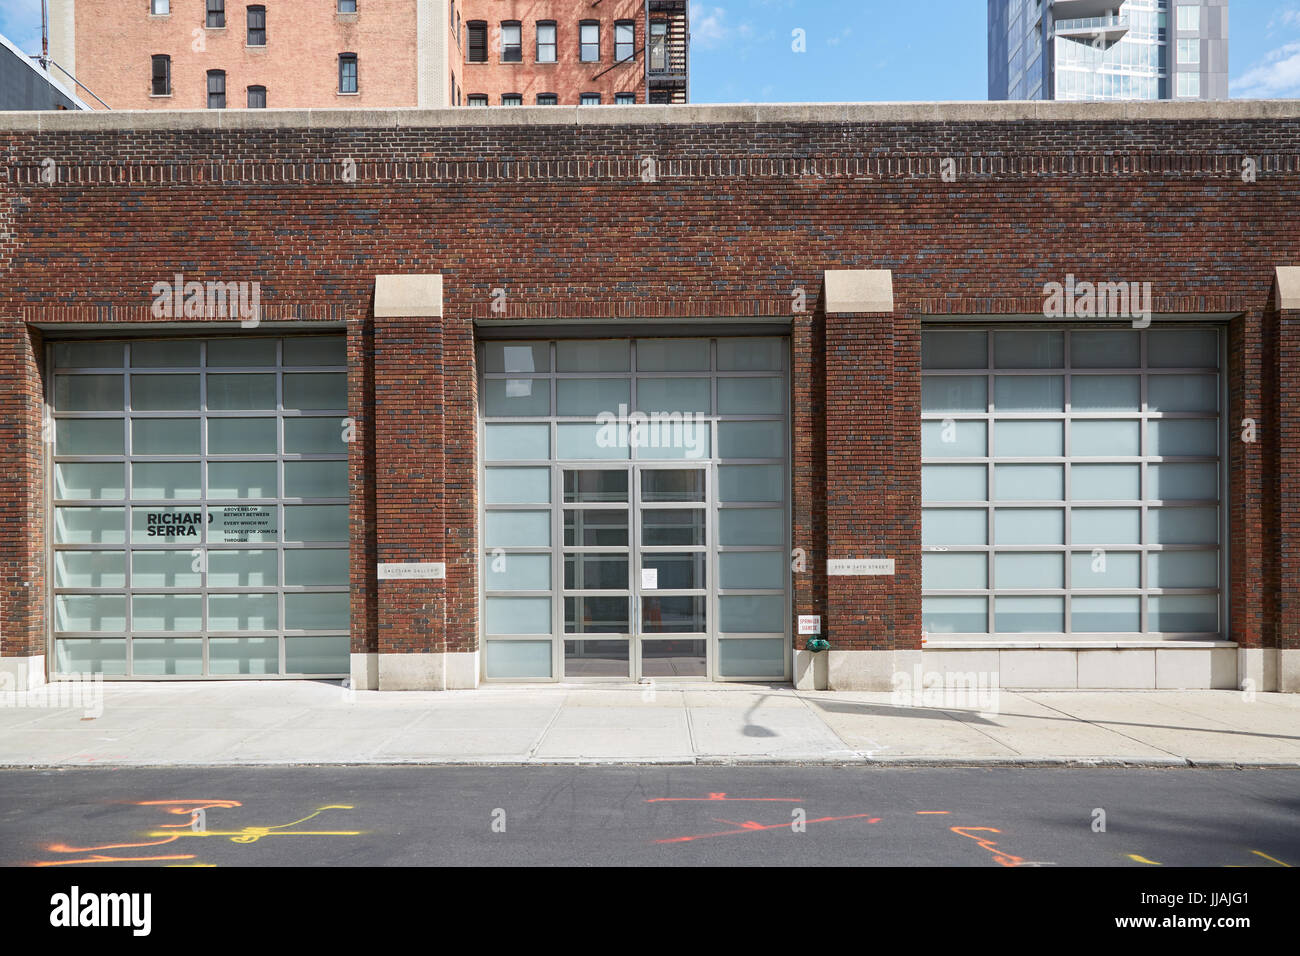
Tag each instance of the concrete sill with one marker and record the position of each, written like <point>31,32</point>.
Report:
<point>357,93</point>
<point>346,17</point>
<point>1071,645</point>
<point>160,96</point>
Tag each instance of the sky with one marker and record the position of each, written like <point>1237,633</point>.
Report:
<point>745,51</point>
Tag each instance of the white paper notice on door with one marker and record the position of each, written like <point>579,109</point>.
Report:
<point>649,579</point>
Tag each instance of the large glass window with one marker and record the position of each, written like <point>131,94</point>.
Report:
<point>1071,482</point>
<point>546,42</point>
<point>200,507</point>
<point>589,41</point>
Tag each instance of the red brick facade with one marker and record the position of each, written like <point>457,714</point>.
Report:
<point>743,210</point>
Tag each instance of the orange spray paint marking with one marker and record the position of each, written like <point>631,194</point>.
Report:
<point>750,826</point>
<point>999,856</point>
<point>722,797</point>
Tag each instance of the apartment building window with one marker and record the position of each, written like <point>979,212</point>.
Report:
<point>257,97</point>
<point>216,14</point>
<point>1189,84</point>
<point>512,43</point>
<point>162,75</point>
<point>477,99</point>
<point>347,6</point>
<point>512,99</point>
<point>257,26</point>
<point>216,89</point>
<point>545,42</point>
<point>1189,51</point>
<point>1189,16</point>
<point>658,46</point>
<point>160,8</point>
<point>547,99</point>
<point>589,41</point>
<point>347,72</point>
<point>624,99</point>
<point>624,40</point>
<point>590,99</point>
<point>477,41</point>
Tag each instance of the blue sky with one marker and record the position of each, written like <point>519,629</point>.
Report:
<point>873,49</point>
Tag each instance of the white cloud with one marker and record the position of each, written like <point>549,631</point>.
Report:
<point>1285,18</point>
<point>1277,76</point>
<point>708,26</point>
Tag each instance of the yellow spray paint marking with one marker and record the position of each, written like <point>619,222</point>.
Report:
<point>1141,859</point>
<point>1270,859</point>
<point>253,834</point>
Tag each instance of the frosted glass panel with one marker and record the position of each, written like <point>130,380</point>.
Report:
<point>750,483</point>
<point>317,655</point>
<point>315,390</point>
<point>167,612</point>
<point>91,656</point>
<point>1096,615</point>
<point>949,572</point>
<point>89,436</point>
<point>167,569</point>
<point>243,655</point>
<point>956,439</point>
<point>1017,439</point>
<point>1183,393</point>
<point>589,397</point>
<point>327,611</point>
<point>517,572</point>
<point>1183,569</point>
<point>86,480</point>
<point>610,441</point>
<point>751,396</point>
<point>316,350</point>
<point>160,657</point>
<point>256,569</point>
<point>1106,569</point>
<point>315,566</point>
<point>1183,525</point>
<point>165,354</point>
<point>1029,526</point>
<point>250,436</point>
<point>167,436</point>
<point>1029,393</point>
<point>672,355</point>
<point>517,357</point>
<point>514,615</point>
<point>751,614</point>
<point>1019,615</point>
<point>674,395</point>
<point>1105,482</point>
<point>751,526</point>
<point>750,355</point>
<point>1028,349</point>
<point>243,352</point>
<point>1029,482</point>
<point>947,526</point>
<point>517,486</point>
<point>942,394</point>
<point>242,479</point>
<point>1029,570</point>
<point>313,436</point>
<point>316,479</point>
<point>518,660</point>
<point>90,569</point>
<point>751,569</point>
<point>517,442</point>
<point>1172,482</point>
<point>1183,613</point>
<point>166,479</point>
<point>1106,393</point>
<point>954,615</point>
<point>954,482</point>
<point>751,439</point>
<point>517,529</point>
<point>517,397</point>
<point>1105,349</point>
<point>751,657</point>
<point>241,393</point>
<point>89,525</point>
<point>612,355</point>
<point>90,612</point>
<point>316,523</point>
<point>1105,439</point>
<point>88,354</point>
<point>1195,348</point>
<point>243,612</point>
<point>1106,526</point>
<point>954,349</point>
<point>165,393</point>
<point>88,393</point>
<point>1174,437</point>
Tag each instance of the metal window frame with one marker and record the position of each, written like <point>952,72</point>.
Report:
<point>345,60</point>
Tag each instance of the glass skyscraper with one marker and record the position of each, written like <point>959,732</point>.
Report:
<point>1108,49</point>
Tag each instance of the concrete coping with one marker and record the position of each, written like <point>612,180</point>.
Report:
<point>408,296</point>
<point>859,290</point>
<point>651,115</point>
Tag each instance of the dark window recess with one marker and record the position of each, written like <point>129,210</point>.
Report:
<point>347,6</point>
<point>347,72</point>
<point>477,41</point>
<point>257,97</point>
<point>512,43</point>
<point>216,89</point>
<point>162,75</point>
<point>257,26</point>
<point>547,99</point>
<point>216,13</point>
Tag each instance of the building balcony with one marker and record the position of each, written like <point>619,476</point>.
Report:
<point>1082,9</point>
<point>1101,31</point>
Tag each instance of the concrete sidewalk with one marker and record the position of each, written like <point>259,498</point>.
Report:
<point>307,722</point>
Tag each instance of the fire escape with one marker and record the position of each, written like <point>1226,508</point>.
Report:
<point>667,61</point>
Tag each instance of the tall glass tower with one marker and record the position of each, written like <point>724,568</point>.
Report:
<point>1108,49</point>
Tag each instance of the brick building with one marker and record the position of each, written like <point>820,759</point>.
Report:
<point>432,398</point>
<point>370,54</point>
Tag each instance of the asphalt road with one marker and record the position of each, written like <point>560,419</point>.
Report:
<point>648,816</point>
